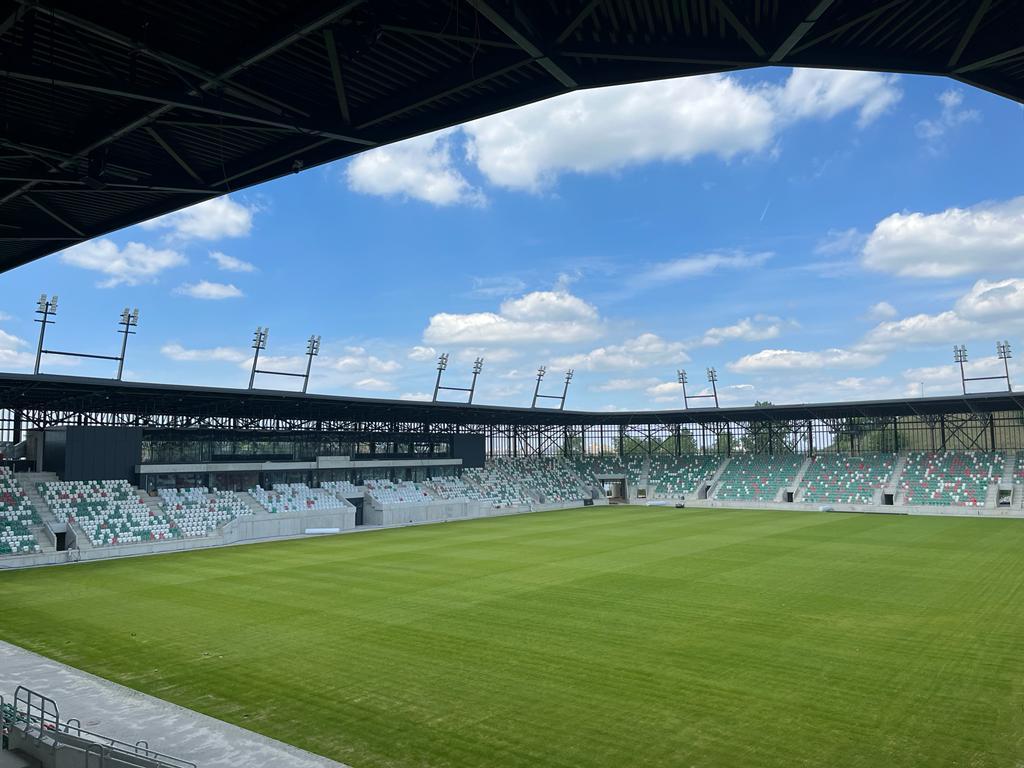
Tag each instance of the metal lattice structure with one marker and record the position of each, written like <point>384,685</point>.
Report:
<point>113,113</point>
<point>195,417</point>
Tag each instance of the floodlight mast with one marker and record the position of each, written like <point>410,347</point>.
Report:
<point>45,307</point>
<point>312,350</point>
<point>442,365</point>
<point>560,398</point>
<point>712,379</point>
<point>128,321</point>
<point>1003,353</point>
<point>536,389</point>
<point>259,341</point>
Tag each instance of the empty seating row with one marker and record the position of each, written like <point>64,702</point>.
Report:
<point>673,477</point>
<point>197,512</point>
<point>500,481</point>
<point>453,489</point>
<point>294,497</point>
<point>107,511</point>
<point>842,479</point>
<point>386,492</point>
<point>749,477</point>
<point>344,489</point>
<point>950,478</point>
<point>16,515</point>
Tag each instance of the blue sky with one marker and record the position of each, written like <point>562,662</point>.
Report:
<point>813,235</point>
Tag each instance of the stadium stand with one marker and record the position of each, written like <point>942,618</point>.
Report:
<point>589,468</point>
<point>386,492</point>
<point>950,478</point>
<point>500,481</point>
<point>453,489</point>
<point>751,477</point>
<point>108,511</point>
<point>16,516</point>
<point>672,477</point>
<point>197,512</point>
<point>842,479</point>
<point>343,489</point>
<point>294,497</point>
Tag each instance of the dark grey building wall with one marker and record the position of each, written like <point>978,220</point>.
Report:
<point>54,445</point>
<point>102,453</point>
<point>469,448</point>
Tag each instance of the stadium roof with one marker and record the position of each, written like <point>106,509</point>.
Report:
<point>112,113</point>
<point>73,395</point>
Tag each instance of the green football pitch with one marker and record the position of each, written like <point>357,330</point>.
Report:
<point>623,636</point>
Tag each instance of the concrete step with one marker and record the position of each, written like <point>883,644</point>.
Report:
<point>15,759</point>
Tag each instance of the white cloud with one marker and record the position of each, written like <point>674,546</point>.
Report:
<point>134,264</point>
<point>841,241</point>
<point>500,285</point>
<point>230,263</point>
<point>883,310</point>
<point>669,391</point>
<point>421,168</point>
<point>824,93</point>
<point>644,351</point>
<point>420,396</point>
<point>607,129</point>
<point>604,130</point>
<point>951,116</point>
<point>696,266</point>
<point>212,219</point>
<point>371,384</point>
<point>356,360</point>
<point>989,309</point>
<point>621,385</point>
<point>954,242</point>
<point>216,354</point>
<point>789,359</point>
<point>540,316</point>
<point>758,328</point>
<point>204,289</point>
<point>420,354</point>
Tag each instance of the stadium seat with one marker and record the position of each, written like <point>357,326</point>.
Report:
<point>843,479</point>
<point>197,512</point>
<point>757,478</point>
<point>16,515</point>
<point>950,478</point>
<point>673,477</point>
<point>108,511</point>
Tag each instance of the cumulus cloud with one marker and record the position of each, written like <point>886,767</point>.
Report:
<point>954,242</point>
<point>540,316</point>
<point>790,359</point>
<point>883,310</point>
<point>499,285</point>
<point>421,168</point>
<point>230,263</point>
<point>757,328</point>
<point>212,219</point>
<point>824,93</point>
<point>621,385</point>
<point>204,289</point>
<point>841,241</point>
<point>357,360</point>
<point>420,354</point>
<point>133,264</point>
<point>605,130</point>
<point>181,354</point>
<point>644,351</point>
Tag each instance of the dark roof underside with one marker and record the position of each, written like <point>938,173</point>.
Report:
<point>115,111</point>
<point>82,395</point>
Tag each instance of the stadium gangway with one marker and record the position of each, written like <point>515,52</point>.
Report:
<point>32,725</point>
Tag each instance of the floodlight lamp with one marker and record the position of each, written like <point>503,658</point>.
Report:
<point>135,316</point>
<point>478,365</point>
<point>442,362</point>
<point>568,375</point>
<point>42,302</point>
<point>541,371</point>
<point>712,374</point>
<point>126,316</point>
<point>682,376</point>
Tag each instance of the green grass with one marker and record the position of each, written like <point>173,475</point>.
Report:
<point>592,637</point>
